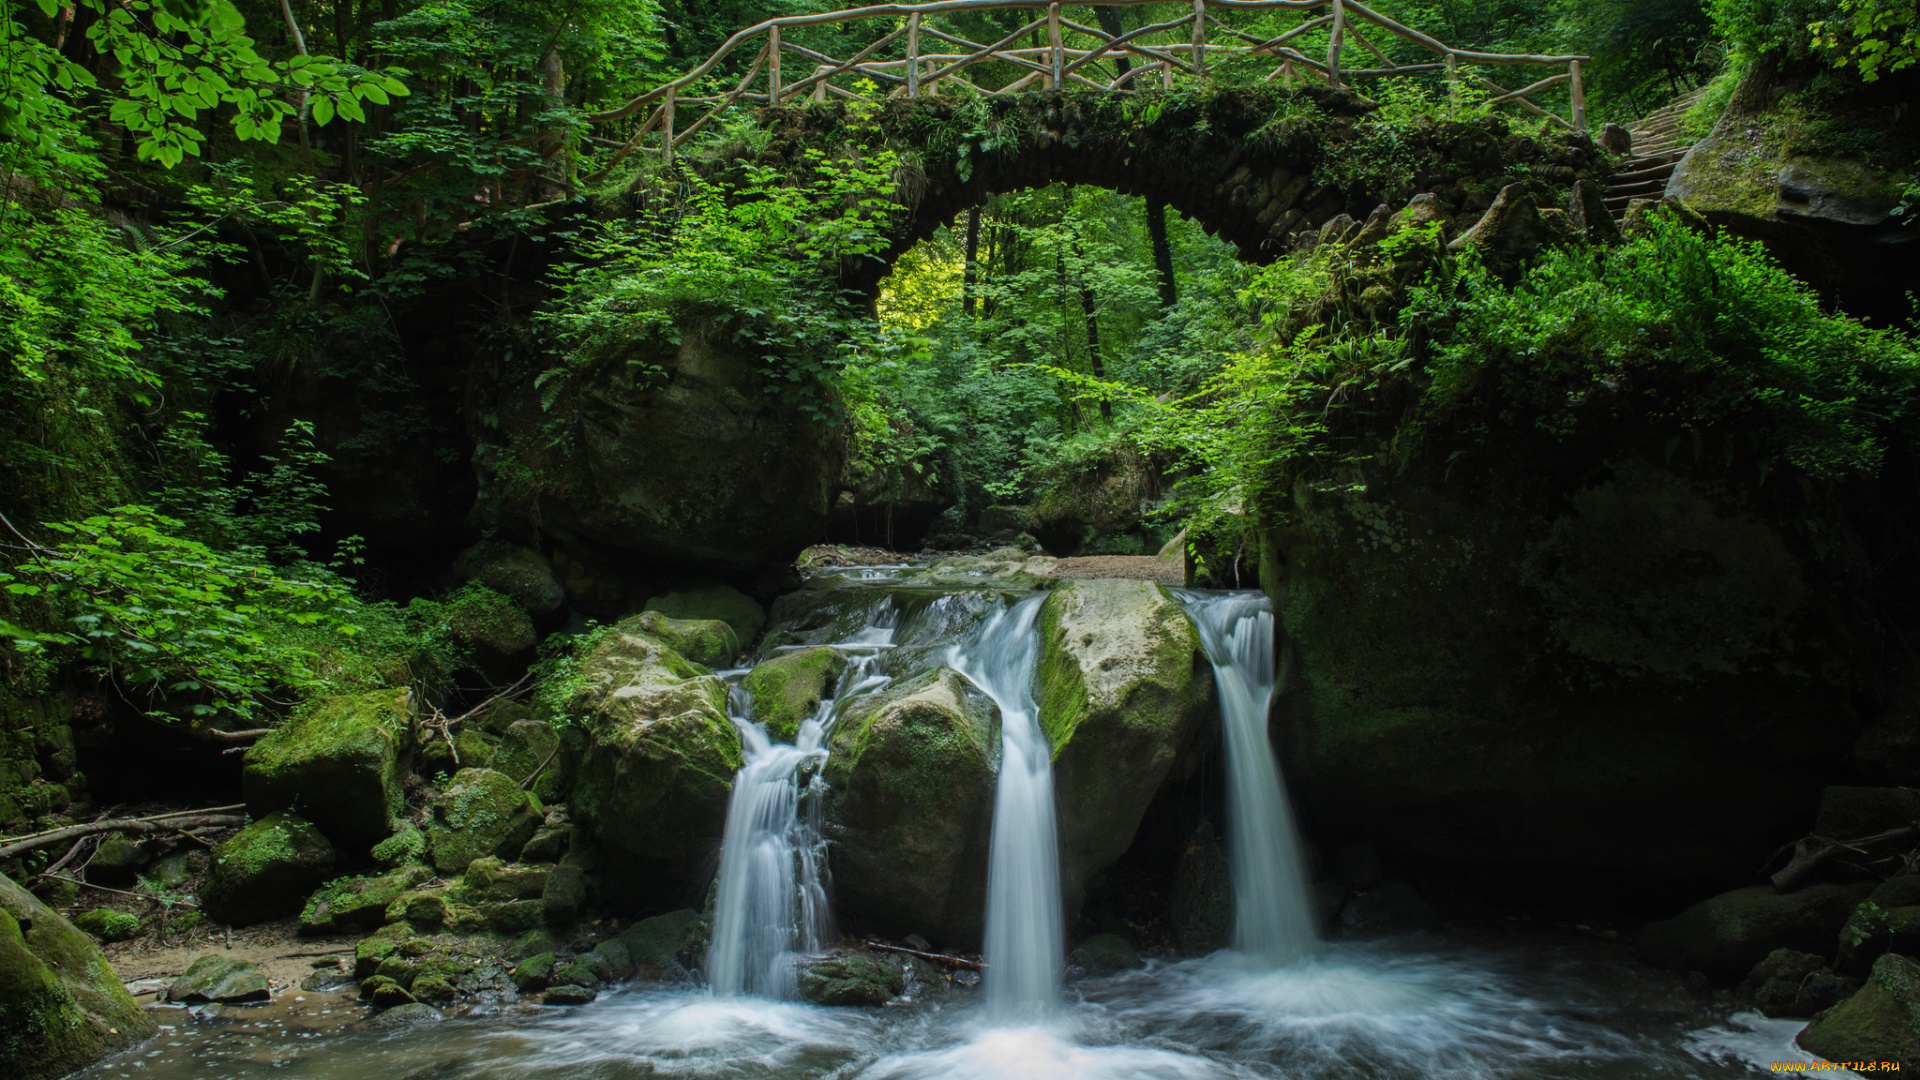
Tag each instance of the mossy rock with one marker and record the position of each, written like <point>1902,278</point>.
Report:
<point>118,861</point>
<point>407,845</point>
<point>1881,1022</point>
<point>655,944</point>
<point>1124,684</point>
<point>62,1007</point>
<point>108,924</point>
<point>437,908</point>
<point>358,903</point>
<point>566,890</point>
<point>527,745</point>
<point>549,844</point>
<point>370,953</point>
<point>787,690</point>
<point>266,870</point>
<point>495,631</point>
<point>723,602</point>
<point>225,979</point>
<point>1874,929</point>
<point>711,642</point>
<point>343,761</point>
<point>490,879</point>
<point>1726,935</point>
<point>578,973</point>
<point>482,813</point>
<point>570,995</point>
<point>661,753</point>
<point>618,958</point>
<point>533,943</point>
<point>432,990</point>
<point>856,979</point>
<point>1201,908</point>
<point>535,973</point>
<point>520,573</point>
<point>910,801</point>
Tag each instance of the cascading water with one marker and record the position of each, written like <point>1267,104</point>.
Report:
<point>772,903</point>
<point>1024,922</point>
<point>1273,916</point>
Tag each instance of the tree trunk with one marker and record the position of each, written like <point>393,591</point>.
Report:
<point>1089,308</point>
<point>971,280</point>
<point>1162,252</point>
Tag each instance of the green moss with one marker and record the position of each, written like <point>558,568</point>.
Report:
<point>357,903</point>
<point>722,602</point>
<point>481,813</point>
<point>61,1005</point>
<point>266,870</point>
<point>108,924</point>
<point>480,620</point>
<point>1880,1023</point>
<point>407,845</point>
<point>343,761</point>
<point>787,690</point>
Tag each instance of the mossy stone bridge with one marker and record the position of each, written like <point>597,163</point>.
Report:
<point>1233,129</point>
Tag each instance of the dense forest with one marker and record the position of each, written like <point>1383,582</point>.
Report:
<point>355,350</point>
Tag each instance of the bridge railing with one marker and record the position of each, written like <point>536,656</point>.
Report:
<point>917,58</point>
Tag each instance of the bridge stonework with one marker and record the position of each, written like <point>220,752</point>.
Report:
<point>1255,167</point>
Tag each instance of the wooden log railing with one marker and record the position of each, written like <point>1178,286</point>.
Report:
<point>1198,45</point>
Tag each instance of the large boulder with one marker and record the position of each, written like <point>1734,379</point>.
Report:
<point>1574,654</point>
<point>711,642</point>
<point>1879,1023</point>
<point>661,754</point>
<point>343,761</point>
<point>722,602</point>
<point>673,451</point>
<point>358,903</point>
<point>1123,685</point>
<point>788,689</point>
<point>213,977</point>
<point>1727,935</point>
<point>61,1006</point>
<point>910,806</point>
<point>266,870</point>
<point>518,572</point>
<point>481,814</point>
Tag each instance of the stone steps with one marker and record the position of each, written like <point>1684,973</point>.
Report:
<point>1658,146</point>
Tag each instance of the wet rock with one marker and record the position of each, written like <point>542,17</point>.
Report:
<point>482,813</point>
<point>326,980</point>
<point>1790,983</point>
<point>173,871</point>
<point>213,977</point>
<point>578,973</point>
<point>518,572</point>
<point>722,602</point>
<point>855,979</point>
<point>108,924</point>
<point>910,796</point>
<point>618,960</point>
<point>661,755</point>
<point>787,690</point>
<point>390,995</point>
<point>1881,1022</point>
<point>535,973</point>
<point>358,903</point>
<point>370,953</point>
<point>1726,935</point>
<point>343,761</point>
<point>402,1015</point>
<point>61,1006</point>
<point>432,990</point>
<point>1394,908</point>
<point>711,642</point>
<point>1122,684</point>
<point>569,995</point>
<point>1104,953</point>
<point>1201,908</point>
<point>266,870</point>
<point>655,944</point>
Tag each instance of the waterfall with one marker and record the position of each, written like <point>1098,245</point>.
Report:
<point>772,903</point>
<point>1273,915</point>
<point>1024,922</point>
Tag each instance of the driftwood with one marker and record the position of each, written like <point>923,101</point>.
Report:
<point>937,958</point>
<point>178,821</point>
<point>1811,851</point>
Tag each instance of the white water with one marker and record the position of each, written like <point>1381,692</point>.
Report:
<point>1024,922</point>
<point>1273,915</point>
<point>773,903</point>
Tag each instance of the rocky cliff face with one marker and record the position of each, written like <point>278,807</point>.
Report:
<point>1608,655</point>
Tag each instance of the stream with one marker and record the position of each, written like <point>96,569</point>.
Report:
<point>1497,1001</point>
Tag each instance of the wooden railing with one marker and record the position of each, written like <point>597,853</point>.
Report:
<point>916,58</point>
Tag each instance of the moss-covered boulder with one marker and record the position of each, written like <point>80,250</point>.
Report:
<point>1726,935</point>
<point>787,690</point>
<point>118,860</point>
<point>520,573</point>
<point>909,807</point>
<point>358,903</point>
<point>217,977</point>
<point>655,944</point>
<point>266,871</point>
<point>61,1006</point>
<point>1881,1022</point>
<point>854,979</point>
<point>1124,684</point>
<point>661,754</point>
<point>528,746</point>
<point>1793,983</point>
<point>718,602</point>
<point>108,924</point>
<point>343,761</point>
<point>495,633</point>
<point>482,813</point>
<point>711,642</point>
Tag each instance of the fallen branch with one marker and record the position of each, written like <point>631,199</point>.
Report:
<point>175,822</point>
<point>542,767</point>
<point>216,735</point>
<point>1810,851</point>
<point>149,898</point>
<point>935,957</point>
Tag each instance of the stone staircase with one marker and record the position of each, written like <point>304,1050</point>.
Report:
<point>1658,145</point>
